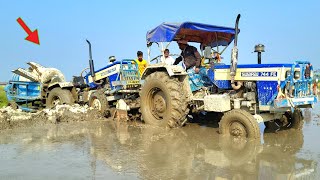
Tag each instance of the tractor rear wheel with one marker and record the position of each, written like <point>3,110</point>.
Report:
<point>163,101</point>
<point>59,96</point>
<point>99,101</point>
<point>239,123</point>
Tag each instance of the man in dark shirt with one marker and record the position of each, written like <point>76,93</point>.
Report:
<point>189,55</point>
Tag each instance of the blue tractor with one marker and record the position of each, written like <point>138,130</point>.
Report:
<point>246,95</point>
<point>117,83</point>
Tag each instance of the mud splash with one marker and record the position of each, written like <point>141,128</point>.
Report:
<point>11,118</point>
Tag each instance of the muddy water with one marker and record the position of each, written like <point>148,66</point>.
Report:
<point>109,150</point>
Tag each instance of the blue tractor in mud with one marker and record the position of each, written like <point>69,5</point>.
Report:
<point>116,84</point>
<point>246,95</point>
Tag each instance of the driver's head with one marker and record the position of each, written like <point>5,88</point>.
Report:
<point>140,55</point>
<point>166,53</point>
<point>182,44</point>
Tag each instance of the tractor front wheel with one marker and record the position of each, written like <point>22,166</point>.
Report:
<point>99,101</point>
<point>239,123</point>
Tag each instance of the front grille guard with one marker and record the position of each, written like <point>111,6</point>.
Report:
<point>294,87</point>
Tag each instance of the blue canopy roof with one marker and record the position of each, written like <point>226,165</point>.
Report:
<point>192,32</point>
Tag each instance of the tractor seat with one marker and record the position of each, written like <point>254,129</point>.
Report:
<point>78,82</point>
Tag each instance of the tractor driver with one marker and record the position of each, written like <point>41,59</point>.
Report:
<point>190,56</point>
<point>198,77</point>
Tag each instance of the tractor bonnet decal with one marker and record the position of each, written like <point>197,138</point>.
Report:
<point>259,74</point>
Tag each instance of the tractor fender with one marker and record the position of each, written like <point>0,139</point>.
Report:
<point>172,70</point>
<point>62,85</point>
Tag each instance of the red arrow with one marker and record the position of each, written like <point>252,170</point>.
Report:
<point>32,36</point>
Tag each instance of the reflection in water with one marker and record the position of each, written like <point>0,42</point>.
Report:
<point>307,114</point>
<point>192,152</point>
<point>198,153</point>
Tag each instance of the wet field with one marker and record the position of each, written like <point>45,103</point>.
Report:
<point>111,150</point>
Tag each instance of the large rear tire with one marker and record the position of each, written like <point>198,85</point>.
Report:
<point>59,96</point>
<point>239,123</point>
<point>99,101</point>
<point>163,101</point>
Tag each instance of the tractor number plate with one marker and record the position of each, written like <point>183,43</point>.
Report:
<point>133,82</point>
<point>259,74</point>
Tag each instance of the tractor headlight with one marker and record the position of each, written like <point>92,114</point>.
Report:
<point>125,67</point>
<point>297,74</point>
<point>288,73</point>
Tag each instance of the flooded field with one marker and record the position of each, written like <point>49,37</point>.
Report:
<point>110,150</point>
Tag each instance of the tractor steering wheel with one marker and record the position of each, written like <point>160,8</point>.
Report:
<point>85,70</point>
<point>159,56</point>
<point>156,58</point>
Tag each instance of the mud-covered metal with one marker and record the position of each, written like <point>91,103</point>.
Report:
<point>29,87</point>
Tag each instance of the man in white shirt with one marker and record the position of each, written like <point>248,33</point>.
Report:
<point>166,58</point>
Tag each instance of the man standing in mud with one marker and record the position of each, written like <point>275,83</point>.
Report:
<point>190,56</point>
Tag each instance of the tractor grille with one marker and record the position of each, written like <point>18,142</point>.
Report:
<point>130,74</point>
<point>299,80</point>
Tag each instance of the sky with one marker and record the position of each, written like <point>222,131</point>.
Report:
<point>288,29</point>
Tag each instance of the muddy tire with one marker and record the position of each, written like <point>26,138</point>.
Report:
<point>295,119</point>
<point>162,102</point>
<point>59,96</point>
<point>99,101</point>
<point>239,123</point>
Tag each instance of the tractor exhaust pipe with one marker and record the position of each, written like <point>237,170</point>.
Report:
<point>237,30</point>
<point>91,60</point>
<point>234,57</point>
